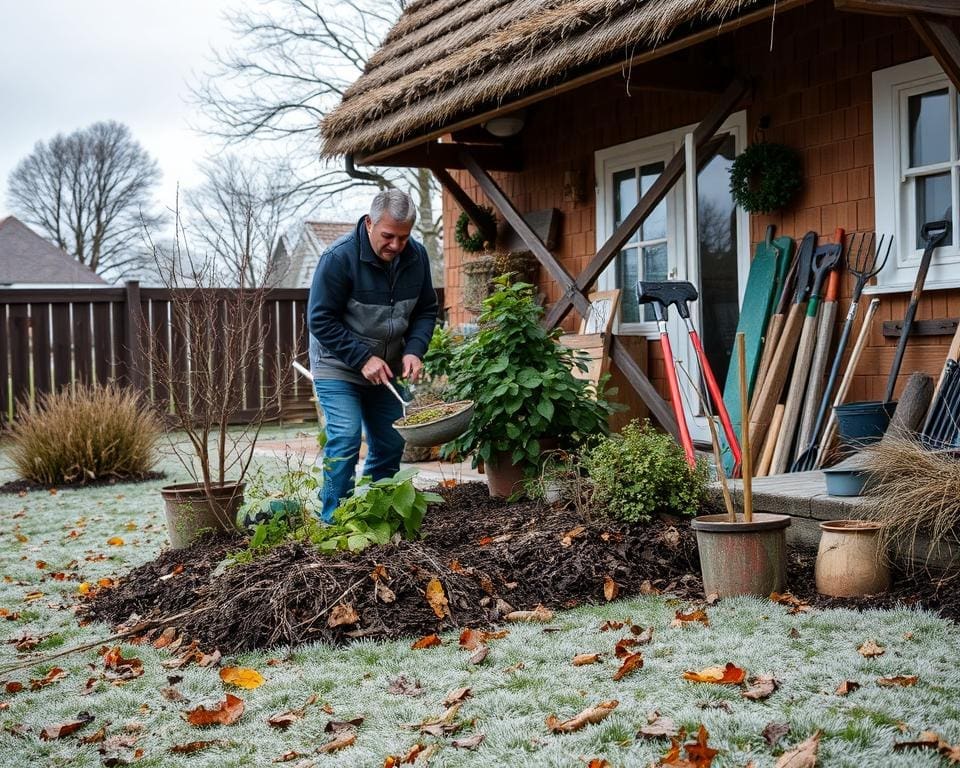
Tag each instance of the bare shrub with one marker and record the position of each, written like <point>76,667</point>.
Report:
<point>85,434</point>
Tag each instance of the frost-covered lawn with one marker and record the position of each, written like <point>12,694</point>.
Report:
<point>527,675</point>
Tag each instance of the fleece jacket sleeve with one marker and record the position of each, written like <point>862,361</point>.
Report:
<point>424,315</point>
<point>325,309</point>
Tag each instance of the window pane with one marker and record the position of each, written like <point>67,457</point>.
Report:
<point>627,276</point>
<point>654,268</point>
<point>929,128</point>
<point>655,225</point>
<point>624,194</point>
<point>934,202</point>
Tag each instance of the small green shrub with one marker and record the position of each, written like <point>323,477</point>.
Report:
<point>641,472</point>
<point>90,433</point>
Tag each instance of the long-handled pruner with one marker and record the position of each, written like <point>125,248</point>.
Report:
<point>680,293</point>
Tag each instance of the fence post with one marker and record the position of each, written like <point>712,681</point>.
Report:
<point>133,349</point>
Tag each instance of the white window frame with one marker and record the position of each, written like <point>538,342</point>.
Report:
<point>895,207</point>
<point>660,148</point>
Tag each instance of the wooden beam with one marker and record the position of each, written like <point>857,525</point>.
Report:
<point>899,7</point>
<point>702,135</point>
<point>660,51</point>
<point>638,379</point>
<point>942,42</point>
<point>463,200</point>
<point>493,157</point>
<point>529,237</point>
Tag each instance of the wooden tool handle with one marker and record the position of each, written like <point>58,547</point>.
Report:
<point>771,442</point>
<point>770,341</point>
<point>798,383</point>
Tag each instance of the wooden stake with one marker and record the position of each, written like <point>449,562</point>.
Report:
<point>747,462</point>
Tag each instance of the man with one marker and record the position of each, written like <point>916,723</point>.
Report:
<point>371,313</point>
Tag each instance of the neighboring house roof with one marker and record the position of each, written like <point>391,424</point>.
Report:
<point>26,258</point>
<point>445,58</point>
<point>301,261</point>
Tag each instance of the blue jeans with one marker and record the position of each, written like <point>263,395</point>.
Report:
<point>348,408</point>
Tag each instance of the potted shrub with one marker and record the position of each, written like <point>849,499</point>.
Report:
<point>205,400</point>
<point>526,396</point>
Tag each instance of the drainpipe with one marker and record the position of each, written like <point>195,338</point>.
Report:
<point>353,173</point>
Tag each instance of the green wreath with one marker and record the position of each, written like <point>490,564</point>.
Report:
<point>482,235</point>
<point>765,177</point>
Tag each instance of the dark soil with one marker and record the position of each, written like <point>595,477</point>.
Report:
<point>490,556</point>
<point>21,486</point>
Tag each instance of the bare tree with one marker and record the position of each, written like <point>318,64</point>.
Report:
<point>294,61</point>
<point>238,213</point>
<point>89,192</point>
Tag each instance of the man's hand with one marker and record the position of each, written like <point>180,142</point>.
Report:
<point>376,371</point>
<point>412,366</point>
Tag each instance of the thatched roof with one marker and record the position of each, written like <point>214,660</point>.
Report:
<point>445,59</point>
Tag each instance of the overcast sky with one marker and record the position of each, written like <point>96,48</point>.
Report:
<point>65,64</point>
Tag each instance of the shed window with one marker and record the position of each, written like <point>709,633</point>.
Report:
<point>916,169</point>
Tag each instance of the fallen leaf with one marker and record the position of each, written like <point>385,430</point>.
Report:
<point>115,541</point>
<point>589,716</point>
<point>484,541</point>
<point>804,755</point>
<point>97,737</point>
<point>106,583</point>
<point>166,637</point>
<point>178,568</point>
<point>383,593</point>
<point>598,762</point>
<point>403,687</point>
<point>643,636</point>
<point>54,675</point>
<point>611,625</point>
<point>622,649</point>
<point>760,688</point>
<point>13,687</point>
<point>569,536</point>
<point>338,742</point>
<point>582,659</point>
<point>456,696</point>
<point>379,572</point>
<point>242,677</point>
<point>426,642</point>
<point>437,598</point>
<point>120,668</point>
<point>32,596</point>
<point>337,726</point>
<point>195,746</point>
<point>172,694</point>
<point>773,732</point>
<point>903,681</point>
<point>699,754</point>
<point>469,742</point>
<point>227,712</point>
<point>847,686</point>
<point>59,730</point>
<point>479,655</point>
<point>631,664</point>
<point>84,588</point>
<point>793,633</point>
<point>658,727</point>
<point>681,619</point>
<point>341,614</point>
<point>286,757</point>
<point>540,613</point>
<point>871,649</point>
<point>716,704</point>
<point>728,675</point>
<point>208,659</point>
<point>469,639</point>
<point>610,589</point>
<point>647,588</point>
<point>796,604</point>
<point>926,740</point>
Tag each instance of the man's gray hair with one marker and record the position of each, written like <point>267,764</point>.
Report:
<point>396,204</point>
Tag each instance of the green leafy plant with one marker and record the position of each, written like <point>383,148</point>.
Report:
<point>375,513</point>
<point>641,472</point>
<point>439,357</point>
<point>522,382</point>
<point>85,434</point>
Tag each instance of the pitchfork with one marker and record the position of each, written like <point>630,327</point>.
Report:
<point>865,265</point>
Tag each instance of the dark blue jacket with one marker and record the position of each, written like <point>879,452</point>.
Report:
<point>359,307</point>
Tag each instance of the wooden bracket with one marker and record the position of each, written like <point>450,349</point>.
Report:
<point>942,41</point>
<point>944,326</point>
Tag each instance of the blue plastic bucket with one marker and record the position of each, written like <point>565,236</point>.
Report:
<point>863,423</point>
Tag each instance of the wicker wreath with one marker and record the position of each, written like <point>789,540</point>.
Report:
<point>478,240</point>
<point>765,177</point>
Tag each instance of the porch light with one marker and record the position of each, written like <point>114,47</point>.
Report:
<point>506,125</point>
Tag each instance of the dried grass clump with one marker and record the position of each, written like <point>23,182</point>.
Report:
<point>82,435</point>
<point>915,495</point>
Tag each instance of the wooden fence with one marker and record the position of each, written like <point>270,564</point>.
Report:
<point>54,338</point>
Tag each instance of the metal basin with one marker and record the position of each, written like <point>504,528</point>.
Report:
<point>439,431</point>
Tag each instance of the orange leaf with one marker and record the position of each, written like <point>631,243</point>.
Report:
<point>456,696</point>
<point>537,614</point>
<point>681,618</point>
<point>847,686</point>
<point>871,649</point>
<point>622,649</point>
<point>338,742</point>
<point>608,625</point>
<point>582,659</point>
<point>106,583</point>
<point>728,675</point>
<point>60,730</point>
<point>598,763</point>
<point>469,639</point>
<point>379,572</point>
<point>51,677</point>
<point>426,642</point>
<point>570,535</point>
<point>84,587</point>
<point>13,687</point>
<point>242,677</point>
<point>194,746</point>
<point>125,669</point>
<point>630,664</point>
<point>343,613</point>
<point>804,755</point>
<point>698,753</point>
<point>485,541</point>
<point>589,716</point>
<point>761,687</point>
<point>437,598</point>
<point>227,712</point>
<point>115,541</point>
<point>610,589</point>
<point>904,681</point>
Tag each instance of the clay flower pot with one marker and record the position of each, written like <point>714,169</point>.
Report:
<point>740,558</point>
<point>849,559</point>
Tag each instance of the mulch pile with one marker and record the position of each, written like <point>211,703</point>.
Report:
<point>490,556</point>
<point>25,486</point>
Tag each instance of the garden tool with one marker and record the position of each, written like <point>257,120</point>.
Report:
<point>776,375</point>
<point>825,258</point>
<point>825,324</point>
<point>933,234</point>
<point>396,394</point>
<point>679,293</point>
<point>864,267</point>
<point>940,429</point>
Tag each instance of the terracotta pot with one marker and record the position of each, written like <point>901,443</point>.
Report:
<point>503,477</point>
<point>742,558</point>
<point>849,560</point>
<point>190,511</point>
